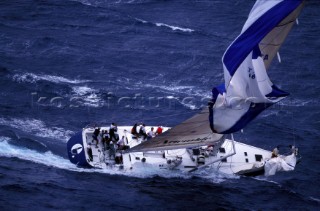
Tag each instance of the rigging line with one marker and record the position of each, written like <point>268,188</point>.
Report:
<point>287,23</point>
<point>274,38</point>
<point>292,116</point>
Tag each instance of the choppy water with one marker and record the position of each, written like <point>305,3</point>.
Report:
<point>65,64</point>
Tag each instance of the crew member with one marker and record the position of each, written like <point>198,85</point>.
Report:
<point>134,130</point>
<point>142,131</point>
<point>95,136</point>
<point>159,130</point>
<point>275,152</point>
<point>151,134</point>
<point>120,143</point>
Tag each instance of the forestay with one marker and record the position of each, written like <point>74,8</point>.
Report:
<point>191,133</point>
<point>248,90</point>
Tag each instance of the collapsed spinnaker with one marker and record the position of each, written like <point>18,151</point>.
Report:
<point>248,90</point>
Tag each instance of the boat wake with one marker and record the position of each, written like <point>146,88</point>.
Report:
<point>45,158</point>
<point>37,128</point>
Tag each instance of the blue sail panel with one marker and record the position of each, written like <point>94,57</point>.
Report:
<point>254,110</point>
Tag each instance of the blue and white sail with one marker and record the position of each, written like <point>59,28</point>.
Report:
<point>248,90</point>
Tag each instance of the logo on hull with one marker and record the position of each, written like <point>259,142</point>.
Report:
<point>76,149</point>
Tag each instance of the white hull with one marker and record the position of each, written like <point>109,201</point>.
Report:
<point>227,157</point>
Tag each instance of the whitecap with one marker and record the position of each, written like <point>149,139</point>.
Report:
<point>88,96</point>
<point>190,105</point>
<point>84,2</point>
<point>269,113</point>
<point>33,78</point>
<point>314,199</point>
<point>174,28</point>
<point>186,90</point>
<point>170,97</point>
<point>266,179</point>
<point>141,20</point>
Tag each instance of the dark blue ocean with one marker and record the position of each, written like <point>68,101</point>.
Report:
<point>66,64</point>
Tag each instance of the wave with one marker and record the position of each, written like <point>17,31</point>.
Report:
<point>83,94</point>
<point>33,78</point>
<point>174,28</point>
<point>266,179</point>
<point>84,2</point>
<point>177,89</point>
<point>314,199</point>
<point>303,196</point>
<point>189,91</point>
<point>187,96</point>
<point>297,103</point>
<point>38,128</point>
<point>96,3</point>
<point>269,113</point>
<point>87,96</point>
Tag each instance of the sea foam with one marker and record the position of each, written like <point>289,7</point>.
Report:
<point>38,128</point>
<point>33,78</point>
<point>87,96</point>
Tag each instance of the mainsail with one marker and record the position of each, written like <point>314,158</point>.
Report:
<point>248,90</point>
<point>191,133</point>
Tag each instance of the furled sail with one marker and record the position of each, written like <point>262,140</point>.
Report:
<point>248,90</point>
<point>191,133</point>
